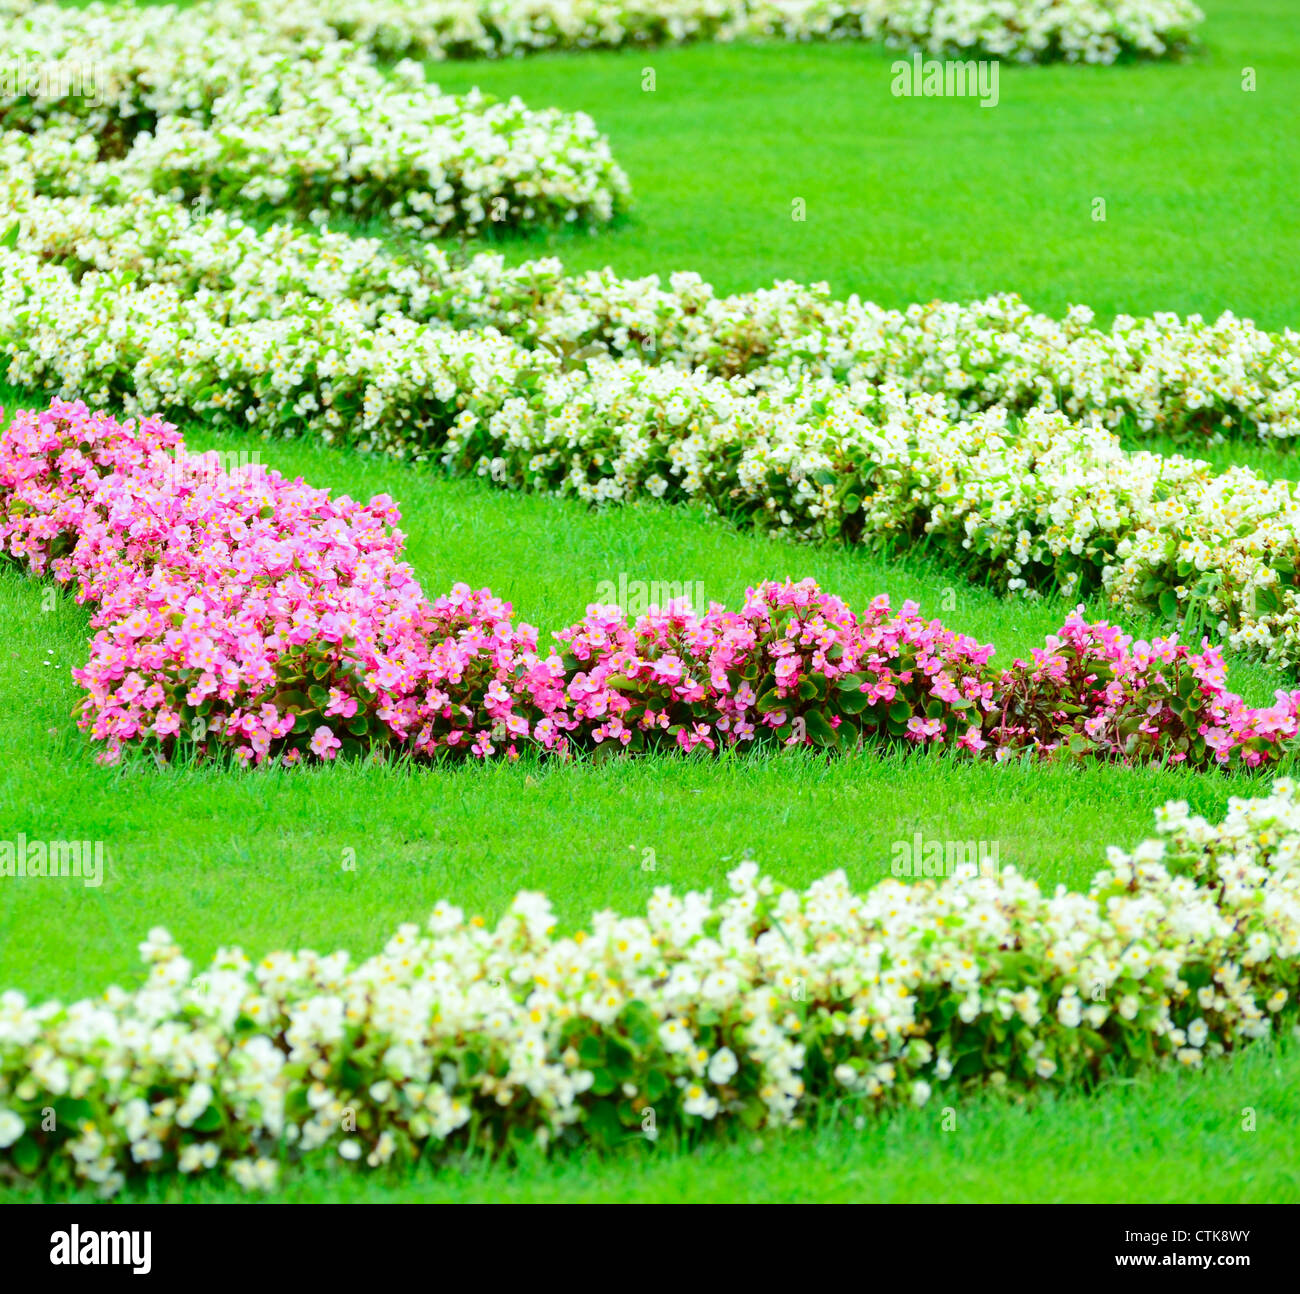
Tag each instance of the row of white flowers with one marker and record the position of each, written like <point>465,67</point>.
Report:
<point>1157,374</point>
<point>194,104</point>
<point>754,1010</point>
<point>1091,31</point>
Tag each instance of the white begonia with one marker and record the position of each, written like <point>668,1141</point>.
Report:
<point>11,1128</point>
<point>723,1066</point>
<point>849,954</point>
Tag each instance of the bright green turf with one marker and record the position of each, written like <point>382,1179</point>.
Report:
<point>907,200</point>
<point>910,199</point>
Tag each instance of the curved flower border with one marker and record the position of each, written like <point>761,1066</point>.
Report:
<point>753,1010</point>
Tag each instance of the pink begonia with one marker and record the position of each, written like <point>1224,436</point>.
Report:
<point>243,612</point>
<point>324,743</point>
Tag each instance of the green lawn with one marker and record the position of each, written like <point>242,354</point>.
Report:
<point>907,199</point>
<point>911,199</point>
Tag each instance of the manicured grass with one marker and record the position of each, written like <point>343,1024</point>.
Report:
<point>909,199</point>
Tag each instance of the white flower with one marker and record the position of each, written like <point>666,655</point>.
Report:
<point>723,1066</point>
<point>11,1128</point>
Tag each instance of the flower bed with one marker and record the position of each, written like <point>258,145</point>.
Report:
<point>1078,31</point>
<point>1091,31</point>
<point>242,612</point>
<point>1159,374</point>
<point>193,103</point>
<point>752,1010</point>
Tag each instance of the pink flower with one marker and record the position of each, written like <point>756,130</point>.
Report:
<point>324,743</point>
<point>166,722</point>
<point>341,704</point>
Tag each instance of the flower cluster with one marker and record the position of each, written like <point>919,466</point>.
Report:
<point>192,104</point>
<point>238,611</point>
<point>751,1010</point>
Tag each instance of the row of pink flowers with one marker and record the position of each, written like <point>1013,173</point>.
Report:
<point>242,611</point>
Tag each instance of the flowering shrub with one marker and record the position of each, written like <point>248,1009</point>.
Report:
<point>1092,31</point>
<point>244,612</point>
<point>194,103</point>
<point>1078,31</point>
<point>751,1010</point>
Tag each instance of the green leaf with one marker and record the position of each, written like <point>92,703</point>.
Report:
<point>69,1113</point>
<point>854,702</point>
<point>819,730</point>
<point>209,1121</point>
<point>602,1124</point>
<point>621,683</point>
<point>291,701</point>
<point>26,1155</point>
